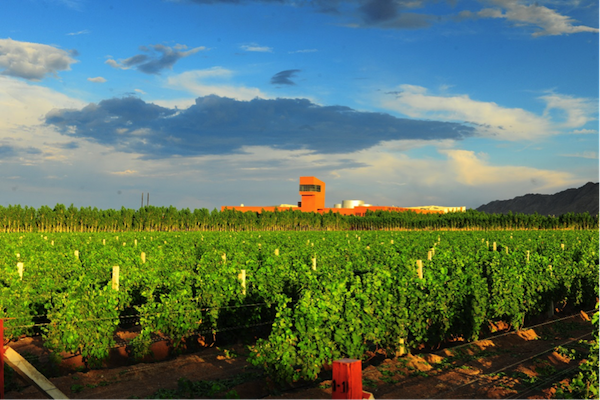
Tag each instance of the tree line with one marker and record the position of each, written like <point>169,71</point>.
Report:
<point>16,218</point>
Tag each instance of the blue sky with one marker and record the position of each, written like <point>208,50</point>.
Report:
<point>204,103</point>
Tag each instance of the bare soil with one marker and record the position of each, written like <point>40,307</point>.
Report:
<point>522,364</point>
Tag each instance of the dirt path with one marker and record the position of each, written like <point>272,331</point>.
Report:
<point>511,365</point>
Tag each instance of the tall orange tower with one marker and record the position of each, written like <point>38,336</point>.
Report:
<point>312,191</point>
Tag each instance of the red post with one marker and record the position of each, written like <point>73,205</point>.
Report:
<point>347,379</point>
<point>1,358</point>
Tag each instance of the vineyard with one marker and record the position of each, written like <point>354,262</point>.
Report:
<point>311,297</point>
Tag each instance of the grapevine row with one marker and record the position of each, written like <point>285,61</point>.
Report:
<point>330,294</point>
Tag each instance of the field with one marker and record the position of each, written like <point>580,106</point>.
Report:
<point>298,299</point>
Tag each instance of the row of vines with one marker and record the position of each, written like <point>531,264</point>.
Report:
<point>168,219</point>
<point>324,295</point>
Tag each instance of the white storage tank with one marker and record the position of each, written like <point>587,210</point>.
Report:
<point>337,205</point>
<point>352,203</point>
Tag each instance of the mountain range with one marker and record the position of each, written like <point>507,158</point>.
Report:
<point>577,200</point>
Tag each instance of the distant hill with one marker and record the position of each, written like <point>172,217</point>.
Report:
<point>578,200</point>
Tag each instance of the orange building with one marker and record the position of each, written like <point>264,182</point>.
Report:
<point>312,192</point>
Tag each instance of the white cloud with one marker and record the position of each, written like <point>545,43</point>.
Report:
<point>83,32</point>
<point>32,61</point>
<point>24,105</point>
<point>140,91</point>
<point>579,111</point>
<point>471,170</point>
<point>213,81</point>
<point>256,48</point>
<point>585,154</point>
<point>585,132</point>
<point>491,119</point>
<point>115,64</point>
<point>97,79</point>
<point>549,21</point>
<point>126,172</point>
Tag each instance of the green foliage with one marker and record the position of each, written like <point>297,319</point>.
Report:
<point>364,291</point>
<point>219,388</point>
<point>584,385</point>
<point>83,322</point>
<point>169,219</point>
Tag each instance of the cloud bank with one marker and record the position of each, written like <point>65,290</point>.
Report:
<point>218,125</point>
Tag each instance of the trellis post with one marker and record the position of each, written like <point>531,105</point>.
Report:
<point>242,279</point>
<point>20,267</point>
<point>115,278</point>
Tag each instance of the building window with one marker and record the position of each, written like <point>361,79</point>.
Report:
<point>310,188</point>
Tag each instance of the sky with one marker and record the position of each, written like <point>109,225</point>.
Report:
<point>205,103</point>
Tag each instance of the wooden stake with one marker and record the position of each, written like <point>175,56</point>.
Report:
<point>20,267</point>
<point>76,252</point>
<point>506,250</point>
<point>429,255</point>
<point>401,349</point>
<point>562,246</point>
<point>31,375</point>
<point>135,242</point>
<point>314,263</point>
<point>277,252</point>
<point>103,242</point>
<point>242,278</point>
<point>551,308</point>
<point>494,246</point>
<point>420,269</point>
<point>527,255</point>
<point>143,257</point>
<point>115,278</point>
<point>224,257</point>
